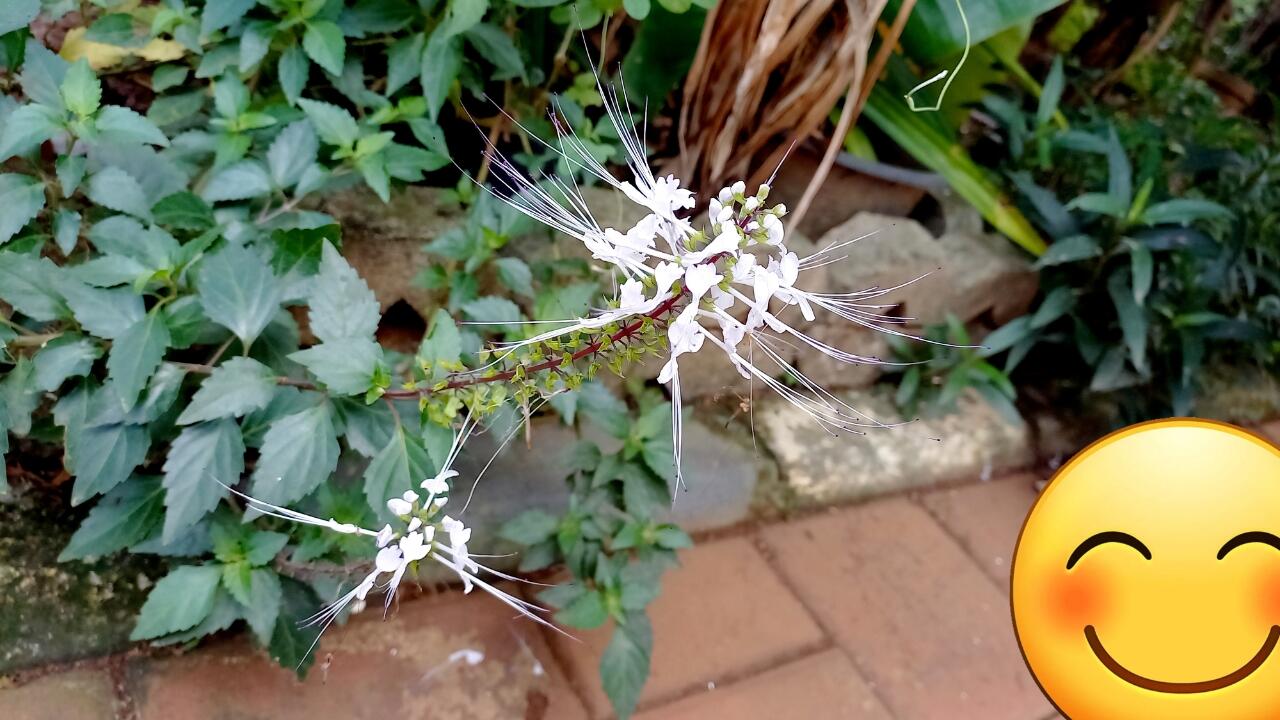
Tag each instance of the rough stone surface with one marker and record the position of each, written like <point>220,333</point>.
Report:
<point>399,668</point>
<point>54,612</point>
<point>921,622</point>
<point>75,695</point>
<point>975,441</point>
<point>1245,396</point>
<point>892,251</point>
<point>825,685</point>
<point>985,273</point>
<point>721,615</point>
<point>843,193</point>
<point>986,518</point>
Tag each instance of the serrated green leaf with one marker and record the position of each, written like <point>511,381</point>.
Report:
<point>462,15</point>
<point>255,43</point>
<point>184,211</point>
<point>342,305</point>
<point>179,600</point>
<point>66,230</point>
<point>19,397</point>
<point>70,170</point>
<point>404,61</point>
<point>236,387</point>
<point>173,109</point>
<point>398,467</point>
<point>491,43</point>
<point>238,291</point>
<point>291,642</point>
<point>116,189</point>
<point>65,357</point>
<point>26,283</point>
<point>494,313</point>
<point>530,527</point>
<point>324,44</point>
<point>17,14</point>
<point>345,367</point>
<point>333,124</point>
<point>81,91</point>
<point>104,313</point>
<point>298,452</point>
<point>624,666</point>
<point>442,344</point>
<point>165,77</point>
<point>42,75</point>
<point>135,354</point>
<point>263,609</point>
<point>293,69</point>
<point>201,460</point>
<point>116,29</point>
<point>21,200</point>
<point>153,248</point>
<point>127,515</point>
<point>441,63</point>
<point>585,612</point>
<point>239,181</point>
<point>515,274</point>
<point>225,612</point>
<point>103,456</point>
<point>292,152</point>
<point>263,547</point>
<point>26,128</point>
<point>124,126</point>
<point>224,13</point>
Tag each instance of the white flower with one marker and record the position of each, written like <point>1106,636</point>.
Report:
<point>699,279</point>
<point>388,559</point>
<point>773,226</point>
<point>724,244</point>
<point>439,485</point>
<point>399,507</point>
<point>414,524</point>
<point>410,496</point>
<point>665,274</point>
<point>413,547</point>
<point>632,294</point>
<point>385,535</point>
<point>738,188</point>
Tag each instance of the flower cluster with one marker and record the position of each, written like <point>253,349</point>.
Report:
<point>423,532</point>
<point>722,287</point>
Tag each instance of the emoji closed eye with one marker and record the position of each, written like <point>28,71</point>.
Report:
<point>1255,536</point>
<point>1112,536</point>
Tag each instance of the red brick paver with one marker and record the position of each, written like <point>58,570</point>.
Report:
<point>825,685</point>
<point>722,614</point>
<point>393,669</point>
<point>74,695</point>
<point>986,518</point>
<point>919,619</point>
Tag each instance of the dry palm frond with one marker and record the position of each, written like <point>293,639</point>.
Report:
<point>767,74</point>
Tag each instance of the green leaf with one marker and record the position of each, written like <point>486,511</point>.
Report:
<point>462,15</point>
<point>323,43</point>
<point>515,274</point>
<point>225,612</point>
<point>345,367</point>
<point>239,181</point>
<point>494,313</point>
<point>1100,203</point>
<point>42,75</point>
<point>238,291</point>
<point>441,62</point>
<point>638,9</point>
<point>530,527</point>
<point>1119,173</point>
<point>16,14</point>
<point>1133,321</point>
<point>126,516</point>
<point>101,457</point>
<point>80,89</point>
<point>264,546</point>
<point>342,306</point>
<point>935,32</point>
<point>443,343</point>
<point>398,467</point>
<point>673,538</point>
<point>1056,304</point>
<point>184,211</point>
<point>624,667</point>
<point>291,642</point>
<point>181,599</point>
<point>136,354</point>
<point>1184,211</point>
<point>26,128</point>
<point>115,29</point>
<point>173,109</point>
<point>604,409</point>
<point>234,388</point>
<point>585,612</point>
<point>224,13</point>
<point>404,61</point>
<point>494,45</point>
<point>123,126</point>
<point>200,458</point>
<point>153,248</point>
<point>263,609</point>
<point>1051,93</point>
<point>1068,250</point>
<point>1142,266</point>
<point>104,313</point>
<point>62,358</point>
<point>298,453</point>
<point>430,135</point>
<point>292,152</point>
<point>116,189</point>
<point>333,124</point>
<point>255,43</point>
<point>293,70</point>
<point>66,230</point>
<point>26,284</point>
<point>70,170</point>
<point>21,200</point>
<point>167,77</point>
<point>19,397</point>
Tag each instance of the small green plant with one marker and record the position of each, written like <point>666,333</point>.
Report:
<point>937,372</point>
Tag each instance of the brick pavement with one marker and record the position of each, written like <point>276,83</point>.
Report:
<point>895,608</point>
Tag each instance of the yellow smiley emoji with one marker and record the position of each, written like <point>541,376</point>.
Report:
<point>1146,581</point>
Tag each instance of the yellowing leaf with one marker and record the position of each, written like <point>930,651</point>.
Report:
<point>102,56</point>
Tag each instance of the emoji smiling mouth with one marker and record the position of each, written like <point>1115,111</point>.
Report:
<point>1229,679</point>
